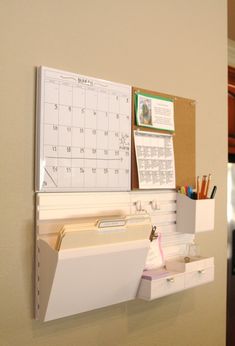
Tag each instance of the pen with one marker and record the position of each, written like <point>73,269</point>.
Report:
<point>213,192</point>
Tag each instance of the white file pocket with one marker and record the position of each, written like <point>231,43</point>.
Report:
<point>76,280</point>
<point>89,265</point>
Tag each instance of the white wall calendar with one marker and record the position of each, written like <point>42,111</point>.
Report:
<point>83,133</point>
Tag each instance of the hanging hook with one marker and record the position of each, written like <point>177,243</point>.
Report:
<point>153,234</point>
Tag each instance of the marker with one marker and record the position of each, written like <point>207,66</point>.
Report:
<point>189,191</point>
<point>213,192</point>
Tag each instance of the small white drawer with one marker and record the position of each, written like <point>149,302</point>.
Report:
<point>199,277</point>
<point>196,263</point>
<point>152,289</point>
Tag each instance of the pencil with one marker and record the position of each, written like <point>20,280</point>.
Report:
<point>207,185</point>
<point>202,195</point>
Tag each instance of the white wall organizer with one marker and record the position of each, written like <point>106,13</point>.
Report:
<point>92,245</point>
<point>100,264</point>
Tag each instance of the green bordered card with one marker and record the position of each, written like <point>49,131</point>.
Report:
<point>154,111</point>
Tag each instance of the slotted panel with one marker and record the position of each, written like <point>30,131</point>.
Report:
<point>55,209</point>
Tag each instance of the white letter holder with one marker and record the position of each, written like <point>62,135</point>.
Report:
<point>92,265</point>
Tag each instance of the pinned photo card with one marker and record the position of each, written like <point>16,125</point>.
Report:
<point>154,111</point>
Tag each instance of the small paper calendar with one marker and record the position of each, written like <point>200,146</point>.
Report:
<point>83,133</point>
<point>155,160</point>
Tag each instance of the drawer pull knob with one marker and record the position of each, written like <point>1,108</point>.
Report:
<point>170,280</point>
<point>201,271</point>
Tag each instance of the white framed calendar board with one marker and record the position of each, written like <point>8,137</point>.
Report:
<point>83,133</point>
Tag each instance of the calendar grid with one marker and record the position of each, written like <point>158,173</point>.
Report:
<point>84,122</point>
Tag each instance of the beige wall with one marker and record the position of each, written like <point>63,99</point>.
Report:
<point>176,47</point>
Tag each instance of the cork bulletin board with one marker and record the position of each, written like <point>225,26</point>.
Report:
<point>183,138</point>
